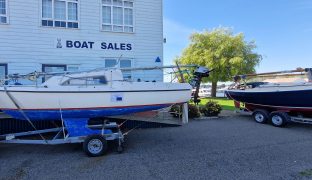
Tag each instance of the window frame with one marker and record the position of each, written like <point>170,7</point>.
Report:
<point>112,18</point>
<point>6,68</point>
<point>67,82</point>
<point>6,15</point>
<point>53,19</point>
<point>52,65</point>
<point>124,59</point>
<point>6,71</point>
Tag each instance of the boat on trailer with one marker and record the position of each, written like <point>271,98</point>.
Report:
<point>75,98</point>
<point>89,95</point>
<point>277,102</point>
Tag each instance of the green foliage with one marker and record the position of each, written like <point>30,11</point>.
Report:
<point>193,111</point>
<point>211,108</point>
<point>176,110</point>
<point>225,103</point>
<point>221,50</point>
<point>306,173</point>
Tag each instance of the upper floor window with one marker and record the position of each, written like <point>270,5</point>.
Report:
<point>60,13</point>
<point>117,15</point>
<point>3,11</point>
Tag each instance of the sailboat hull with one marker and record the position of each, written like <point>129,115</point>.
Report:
<point>50,114</point>
<point>54,105</point>
<point>293,99</point>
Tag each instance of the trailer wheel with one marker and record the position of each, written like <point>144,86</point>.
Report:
<point>279,119</point>
<point>261,116</point>
<point>95,145</point>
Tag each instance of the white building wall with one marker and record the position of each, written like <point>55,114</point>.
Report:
<point>25,45</point>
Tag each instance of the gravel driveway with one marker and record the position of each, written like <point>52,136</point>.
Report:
<point>227,148</point>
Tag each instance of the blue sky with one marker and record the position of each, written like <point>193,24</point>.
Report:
<point>282,29</point>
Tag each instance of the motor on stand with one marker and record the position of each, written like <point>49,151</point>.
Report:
<point>199,74</point>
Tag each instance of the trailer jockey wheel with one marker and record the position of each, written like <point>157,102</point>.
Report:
<point>279,119</point>
<point>95,145</point>
<point>261,116</point>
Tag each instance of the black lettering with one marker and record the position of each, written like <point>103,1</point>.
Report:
<point>110,46</point>
<point>103,45</point>
<point>84,45</point>
<point>123,46</point>
<point>77,44</point>
<point>116,46</point>
<point>69,44</point>
<point>91,44</point>
<point>129,47</point>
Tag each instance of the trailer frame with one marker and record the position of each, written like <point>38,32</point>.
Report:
<point>59,137</point>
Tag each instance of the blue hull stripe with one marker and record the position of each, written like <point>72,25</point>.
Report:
<point>42,115</point>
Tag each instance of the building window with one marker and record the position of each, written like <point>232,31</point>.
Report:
<point>49,68</point>
<point>3,11</point>
<point>3,71</point>
<point>124,63</point>
<point>60,13</point>
<point>117,16</point>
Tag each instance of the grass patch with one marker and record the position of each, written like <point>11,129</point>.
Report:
<point>306,173</point>
<point>224,102</point>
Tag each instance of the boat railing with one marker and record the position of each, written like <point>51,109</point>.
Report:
<point>240,81</point>
<point>37,77</point>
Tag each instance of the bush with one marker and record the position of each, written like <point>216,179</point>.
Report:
<point>212,108</point>
<point>193,111</point>
<point>176,111</point>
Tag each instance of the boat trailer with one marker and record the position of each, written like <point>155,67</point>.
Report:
<point>77,130</point>
<point>93,137</point>
<point>276,118</point>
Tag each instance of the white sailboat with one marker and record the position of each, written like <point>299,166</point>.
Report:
<point>91,94</point>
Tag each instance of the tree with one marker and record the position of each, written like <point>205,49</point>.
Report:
<point>224,52</point>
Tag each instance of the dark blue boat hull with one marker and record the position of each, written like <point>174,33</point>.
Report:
<point>47,115</point>
<point>299,100</point>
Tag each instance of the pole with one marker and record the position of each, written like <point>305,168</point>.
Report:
<point>185,119</point>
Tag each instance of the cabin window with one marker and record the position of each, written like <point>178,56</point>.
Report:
<point>60,13</point>
<point>49,68</point>
<point>91,81</point>
<point>124,63</point>
<point>3,11</point>
<point>118,16</point>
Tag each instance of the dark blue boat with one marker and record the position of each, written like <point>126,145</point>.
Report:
<point>288,98</point>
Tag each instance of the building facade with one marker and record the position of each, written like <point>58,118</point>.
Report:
<point>78,35</point>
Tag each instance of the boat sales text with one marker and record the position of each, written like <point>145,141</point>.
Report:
<point>104,45</point>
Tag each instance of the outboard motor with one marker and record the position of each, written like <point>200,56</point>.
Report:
<point>199,74</point>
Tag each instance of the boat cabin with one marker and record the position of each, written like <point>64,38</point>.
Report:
<point>100,77</point>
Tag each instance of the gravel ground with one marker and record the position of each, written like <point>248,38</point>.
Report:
<point>227,148</point>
